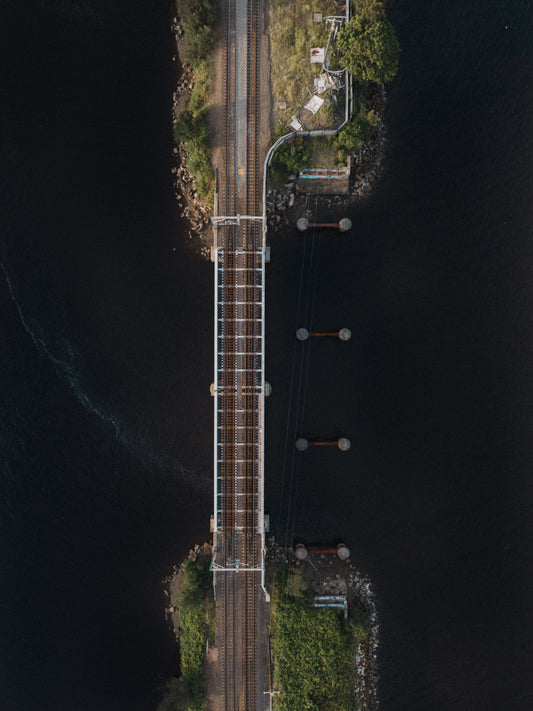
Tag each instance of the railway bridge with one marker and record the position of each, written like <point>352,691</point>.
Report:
<point>239,255</point>
<point>239,388</point>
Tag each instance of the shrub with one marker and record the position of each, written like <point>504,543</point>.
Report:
<point>193,606</point>
<point>184,126</point>
<point>297,585</point>
<point>356,131</point>
<point>196,578</point>
<point>370,50</point>
<point>358,624</point>
<point>192,130</point>
<point>315,657</point>
<point>190,127</point>
<point>198,20</point>
<point>291,156</point>
<point>372,9</point>
<point>176,696</point>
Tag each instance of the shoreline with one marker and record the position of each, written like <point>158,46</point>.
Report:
<point>284,205</point>
<point>331,576</point>
<point>191,208</point>
<point>322,655</point>
<point>325,574</point>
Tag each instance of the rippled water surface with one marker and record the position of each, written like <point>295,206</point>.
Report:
<point>106,360</point>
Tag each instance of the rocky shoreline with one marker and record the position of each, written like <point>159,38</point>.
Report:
<point>286,205</point>
<point>283,205</point>
<point>367,162</point>
<point>172,584</point>
<point>192,208</point>
<point>330,576</point>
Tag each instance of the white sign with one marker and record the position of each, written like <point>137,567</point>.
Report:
<point>296,123</point>
<point>314,104</point>
<point>318,54</point>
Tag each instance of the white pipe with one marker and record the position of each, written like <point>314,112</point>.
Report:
<point>215,401</point>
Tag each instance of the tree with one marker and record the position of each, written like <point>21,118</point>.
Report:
<point>369,49</point>
<point>372,9</point>
<point>176,696</point>
<point>354,133</point>
<point>198,19</point>
<point>184,126</point>
<point>292,155</point>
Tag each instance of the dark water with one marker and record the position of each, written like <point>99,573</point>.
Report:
<point>106,359</point>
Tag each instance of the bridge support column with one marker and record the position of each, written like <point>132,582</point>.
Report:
<point>302,334</point>
<point>343,443</point>
<point>343,225</point>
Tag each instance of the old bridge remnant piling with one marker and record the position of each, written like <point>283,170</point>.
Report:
<point>343,225</point>
<point>343,443</point>
<point>302,334</point>
<point>301,551</point>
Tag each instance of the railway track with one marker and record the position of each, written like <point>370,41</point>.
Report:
<point>228,185</point>
<point>239,352</point>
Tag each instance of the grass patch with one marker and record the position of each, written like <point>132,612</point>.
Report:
<point>298,153</point>
<point>314,650</point>
<point>324,153</point>
<point>293,33</point>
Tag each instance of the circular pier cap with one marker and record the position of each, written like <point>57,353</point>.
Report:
<point>300,552</point>
<point>343,551</point>
<point>345,224</point>
<point>302,334</point>
<point>344,444</point>
<point>303,224</point>
<point>302,444</point>
<point>345,334</point>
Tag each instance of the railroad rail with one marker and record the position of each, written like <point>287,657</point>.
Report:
<point>239,381</point>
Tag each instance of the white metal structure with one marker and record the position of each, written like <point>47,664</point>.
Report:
<point>239,392</point>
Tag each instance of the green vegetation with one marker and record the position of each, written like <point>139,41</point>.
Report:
<point>370,49</point>
<point>192,130</point>
<point>176,696</point>
<point>198,21</point>
<point>367,45</point>
<point>293,33</point>
<point>291,157</point>
<point>197,618</point>
<point>191,126</point>
<point>314,649</point>
<point>356,131</point>
<point>370,9</point>
<point>358,624</point>
<point>298,153</point>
